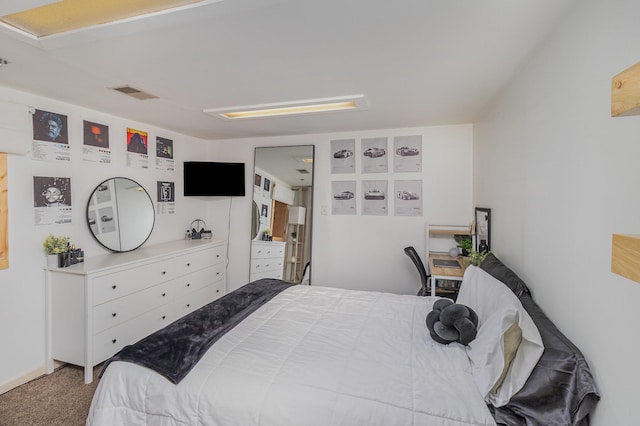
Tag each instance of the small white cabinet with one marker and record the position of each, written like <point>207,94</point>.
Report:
<point>267,260</point>
<point>96,308</point>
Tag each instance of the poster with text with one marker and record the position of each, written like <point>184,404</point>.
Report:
<point>408,198</point>
<point>50,137</point>
<point>52,200</point>
<point>164,154</point>
<point>407,153</point>
<point>374,155</point>
<point>343,197</point>
<point>342,159</point>
<point>374,198</point>
<point>137,149</point>
<point>166,201</point>
<point>95,143</point>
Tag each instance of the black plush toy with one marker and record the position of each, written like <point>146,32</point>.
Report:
<point>450,322</point>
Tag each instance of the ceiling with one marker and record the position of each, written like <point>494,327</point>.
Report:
<point>418,62</point>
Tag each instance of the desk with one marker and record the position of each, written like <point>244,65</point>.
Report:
<point>439,273</point>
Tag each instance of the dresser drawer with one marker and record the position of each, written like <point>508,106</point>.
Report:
<point>110,341</point>
<point>123,309</point>
<point>272,274</point>
<point>259,266</point>
<point>194,281</point>
<point>197,260</point>
<point>261,250</point>
<point>197,299</point>
<point>118,284</point>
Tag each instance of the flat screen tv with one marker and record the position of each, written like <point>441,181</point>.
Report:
<point>203,178</point>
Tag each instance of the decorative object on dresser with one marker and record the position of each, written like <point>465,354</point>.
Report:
<point>53,246</point>
<point>97,307</point>
<point>267,260</point>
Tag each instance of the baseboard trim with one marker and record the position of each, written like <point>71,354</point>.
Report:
<point>34,374</point>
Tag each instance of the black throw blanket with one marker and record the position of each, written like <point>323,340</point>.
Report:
<point>175,349</point>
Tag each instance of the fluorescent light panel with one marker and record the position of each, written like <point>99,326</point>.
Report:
<point>356,102</point>
<point>68,15</point>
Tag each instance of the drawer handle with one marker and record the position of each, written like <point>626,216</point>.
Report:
<point>217,255</point>
<point>114,314</point>
<point>188,284</point>
<point>164,294</point>
<point>188,305</point>
<point>164,316</point>
<point>188,264</point>
<point>217,273</point>
<point>114,340</point>
<point>113,286</point>
<point>218,291</point>
<point>164,272</point>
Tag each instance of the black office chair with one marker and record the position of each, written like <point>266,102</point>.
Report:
<point>424,275</point>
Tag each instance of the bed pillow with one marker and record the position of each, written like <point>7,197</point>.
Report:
<point>487,296</point>
<point>494,267</point>
<point>494,348</point>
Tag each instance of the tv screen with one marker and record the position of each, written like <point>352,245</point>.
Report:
<point>213,179</point>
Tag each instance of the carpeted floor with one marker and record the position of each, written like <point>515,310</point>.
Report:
<point>57,399</point>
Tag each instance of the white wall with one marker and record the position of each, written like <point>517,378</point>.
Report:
<point>561,176</point>
<point>363,252</point>
<point>22,302</point>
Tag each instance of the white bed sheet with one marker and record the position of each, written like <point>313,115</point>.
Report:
<point>311,356</point>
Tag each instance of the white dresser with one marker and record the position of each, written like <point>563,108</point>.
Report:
<point>267,260</point>
<point>96,308</point>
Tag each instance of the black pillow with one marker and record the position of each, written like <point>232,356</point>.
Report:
<point>452,322</point>
<point>492,265</point>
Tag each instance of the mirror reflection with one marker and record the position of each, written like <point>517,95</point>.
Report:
<point>120,214</point>
<point>281,213</point>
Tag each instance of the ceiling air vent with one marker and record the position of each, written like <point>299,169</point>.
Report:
<point>135,93</point>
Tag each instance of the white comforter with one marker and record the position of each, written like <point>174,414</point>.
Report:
<point>311,356</point>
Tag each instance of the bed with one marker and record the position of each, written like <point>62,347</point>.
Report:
<point>308,355</point>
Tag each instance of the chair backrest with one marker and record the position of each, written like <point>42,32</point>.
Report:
<point>415,258</point>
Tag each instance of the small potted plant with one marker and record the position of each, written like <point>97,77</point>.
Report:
<point>465,244</point>
<point>53,246</point>
<point>476,258</point>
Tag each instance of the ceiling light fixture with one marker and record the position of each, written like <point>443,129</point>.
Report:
<point>342,103</point>
<point>43,18</point>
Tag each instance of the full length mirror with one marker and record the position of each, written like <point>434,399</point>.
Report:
<point>120,214</point>
<point>281,216</point>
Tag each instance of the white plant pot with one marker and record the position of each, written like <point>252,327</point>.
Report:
<point>52,260</point>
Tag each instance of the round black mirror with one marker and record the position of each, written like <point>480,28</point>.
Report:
<point>120,214</point>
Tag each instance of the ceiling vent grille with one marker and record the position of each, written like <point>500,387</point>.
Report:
<point>135,93</point>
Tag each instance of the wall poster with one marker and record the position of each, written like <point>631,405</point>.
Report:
<point>374,199</point>
<point>343,199</point>
<point>166,200</point>
<point>164,154</point>
<point>95,143</point>
<point>408,199</point>
<point>342,159</point>
<point>407,153</point>
<point>374,155</point>
<point>50,137</point>
<point>137,149</point>
<point>52,200</point>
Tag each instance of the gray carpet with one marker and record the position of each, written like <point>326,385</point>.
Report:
<point>57,399</point>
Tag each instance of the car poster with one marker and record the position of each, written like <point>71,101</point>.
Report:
<point>137,149</point>
<point>343,199</point>
<point>374,198</point>
<point>50,137</point>
<point>408,198</point>
<point>164,154</point>
<point>374,155</point>
<point>52,200</point>
<point>95,143</point>
<point>166,198</point>
<point>407,152</point>
<point>342,160</point>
